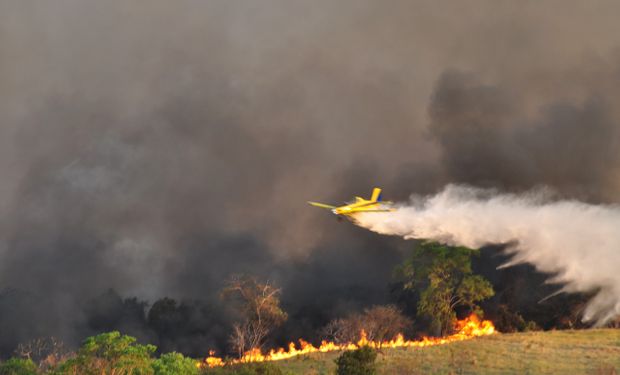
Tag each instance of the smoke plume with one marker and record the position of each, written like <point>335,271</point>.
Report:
<point>576,242</point>
<point>158,147</point>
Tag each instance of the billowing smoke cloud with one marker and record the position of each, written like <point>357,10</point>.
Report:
<point>489,138</point>
<point>576,242</point>
<point>157,148</point>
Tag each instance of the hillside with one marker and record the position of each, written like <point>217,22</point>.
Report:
<point>594,351</point>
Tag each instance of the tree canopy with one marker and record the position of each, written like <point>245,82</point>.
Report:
<point>442,276</point>
<point>110,353</point>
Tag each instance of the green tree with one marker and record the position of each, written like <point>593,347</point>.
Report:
<point>18,366</point>
<point>173,364</point>
<point>443,277</point>
<point>110,353</point>
<point>357,362</point>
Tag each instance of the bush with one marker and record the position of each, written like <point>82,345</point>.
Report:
<point>379,322</point>
<point>173,364</point>
<point>18,366</point>
<point>110,353</point>
<point>508,321</point>
<point>357,362</point>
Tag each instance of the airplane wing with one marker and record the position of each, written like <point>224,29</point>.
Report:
<point>322,205</point>
<point>378,210</point>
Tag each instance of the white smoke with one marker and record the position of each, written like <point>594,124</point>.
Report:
<point>578,242</point>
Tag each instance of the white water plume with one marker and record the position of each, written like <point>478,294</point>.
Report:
<point>577,242</point>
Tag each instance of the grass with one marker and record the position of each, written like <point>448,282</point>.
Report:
<point>595,351</point>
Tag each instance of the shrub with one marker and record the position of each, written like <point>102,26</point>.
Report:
<point>379,322</point>
<point>173,364</point>
<point>508,321</point>
<point>110,353</point>
<point>46,352</point>
<point>18,366</point>
<point>357,362</point>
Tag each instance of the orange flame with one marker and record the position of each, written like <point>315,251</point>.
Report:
<point>466,329</point>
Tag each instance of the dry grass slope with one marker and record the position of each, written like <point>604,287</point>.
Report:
<point>595,352</point>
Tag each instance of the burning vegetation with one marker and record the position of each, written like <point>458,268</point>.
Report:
<point>442,277</point>
<point>467,328</point>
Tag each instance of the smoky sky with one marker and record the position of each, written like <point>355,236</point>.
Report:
<point>159,148</point>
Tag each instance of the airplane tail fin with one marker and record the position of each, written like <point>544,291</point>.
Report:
<point>376,195</point>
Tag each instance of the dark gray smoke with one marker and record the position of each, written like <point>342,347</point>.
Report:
<point>487,139</point>
<point>157,148</point>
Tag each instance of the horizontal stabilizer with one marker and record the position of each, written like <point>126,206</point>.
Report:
<point>322,205</point>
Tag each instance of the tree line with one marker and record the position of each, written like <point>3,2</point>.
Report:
<point>433,287</point>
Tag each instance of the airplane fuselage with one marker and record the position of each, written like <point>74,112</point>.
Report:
<point>359,206</point>
<point>374,204</point>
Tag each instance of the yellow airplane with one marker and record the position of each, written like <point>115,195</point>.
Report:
<point>374,204</point>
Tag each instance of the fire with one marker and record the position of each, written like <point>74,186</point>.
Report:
<point>467,328</point>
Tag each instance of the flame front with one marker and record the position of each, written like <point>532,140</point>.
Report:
<point>466,329</point>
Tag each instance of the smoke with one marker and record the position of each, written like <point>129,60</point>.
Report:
<point>576,242</point>
<point>156,149</point>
